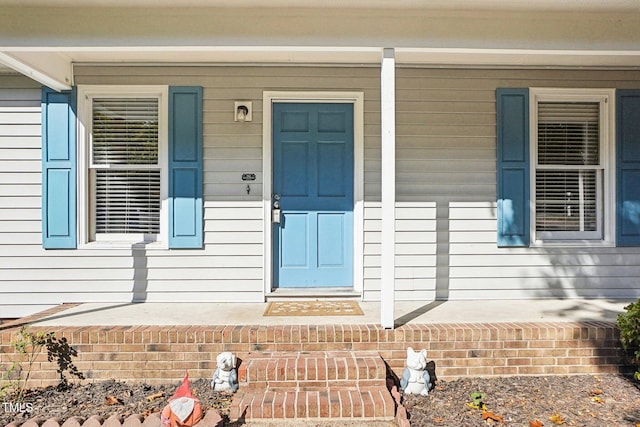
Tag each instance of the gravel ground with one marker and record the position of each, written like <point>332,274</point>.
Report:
<point>608,400</point>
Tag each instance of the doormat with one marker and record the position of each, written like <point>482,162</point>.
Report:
<point>313,308</point>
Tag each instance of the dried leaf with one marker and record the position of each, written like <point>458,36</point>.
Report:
<point>438,420</point>
<point>597,399</point>
<point>536,423</point>
<point>557,418</point>
<point>491,416</point>
<point>113,400</point>
<point>480,406</point>
<point>595,392</point>
<point>155,396</point>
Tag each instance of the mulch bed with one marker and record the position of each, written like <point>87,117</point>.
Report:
<point>607,400</point>
<point>585,400</point>
<point>107,398</point>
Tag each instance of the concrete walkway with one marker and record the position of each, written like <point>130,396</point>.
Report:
<point>406,312</point>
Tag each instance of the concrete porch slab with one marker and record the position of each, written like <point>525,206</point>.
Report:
<point>406,312</point>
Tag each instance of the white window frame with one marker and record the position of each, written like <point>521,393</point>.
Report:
<point>86,94</point>
<point>606,217</point>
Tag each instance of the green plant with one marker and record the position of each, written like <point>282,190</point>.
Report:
<point>26,346</point>
<point>8,381</point>
<point>629,325</point>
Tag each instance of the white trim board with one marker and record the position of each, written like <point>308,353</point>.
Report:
<point>355,98</point>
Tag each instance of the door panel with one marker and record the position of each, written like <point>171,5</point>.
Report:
<point>313,176</point>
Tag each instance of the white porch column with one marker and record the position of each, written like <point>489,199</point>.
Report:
<point>388,190</point>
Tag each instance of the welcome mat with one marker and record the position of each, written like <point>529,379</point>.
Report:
<point>313,308</point>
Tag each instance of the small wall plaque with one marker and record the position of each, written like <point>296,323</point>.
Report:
<point>248,176</point>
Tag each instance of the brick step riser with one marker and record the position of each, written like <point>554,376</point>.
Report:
<point>370,404</point>
<point>312,385</point>
<point>262,370</point>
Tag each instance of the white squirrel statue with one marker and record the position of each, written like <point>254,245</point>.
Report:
<point>415,378</point>
<point>225,378</point>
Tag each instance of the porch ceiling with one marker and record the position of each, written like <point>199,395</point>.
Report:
<point>43,39</point>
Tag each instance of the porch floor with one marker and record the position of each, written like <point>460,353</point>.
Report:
<point>405,313</point>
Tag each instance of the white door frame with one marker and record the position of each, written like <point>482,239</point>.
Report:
<point>355,98</point>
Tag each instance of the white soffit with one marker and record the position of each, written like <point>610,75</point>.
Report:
<point>518,57</point>
<point>53,67</point>
<point>489,5</point>
<point>231,54</point>
<point>57,61</point>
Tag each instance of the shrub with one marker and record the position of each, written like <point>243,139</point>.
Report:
<point>629,325</point>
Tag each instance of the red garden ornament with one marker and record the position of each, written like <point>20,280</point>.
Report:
<point>184,409</point>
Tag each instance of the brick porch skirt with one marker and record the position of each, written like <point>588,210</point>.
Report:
<point>161,354</point>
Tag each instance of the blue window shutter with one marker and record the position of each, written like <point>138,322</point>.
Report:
<point>628,168</point>
<point>58,169</point>
<point>185,167</point>
<point>512,107</point>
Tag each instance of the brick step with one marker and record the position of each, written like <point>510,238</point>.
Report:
<point>312,369</point>
<point>370,403</point>
<point>313,385</point>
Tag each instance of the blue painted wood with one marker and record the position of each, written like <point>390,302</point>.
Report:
<point>59,163</point>
<point>313,174</point>
<point>512,107</point>
<point>185,168</point>
<point>628,168</point>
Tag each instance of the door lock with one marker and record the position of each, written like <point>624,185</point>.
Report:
<point>275,212</point>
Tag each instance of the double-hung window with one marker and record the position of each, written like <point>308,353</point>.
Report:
<point>571,173</point>
<point>125,165</point>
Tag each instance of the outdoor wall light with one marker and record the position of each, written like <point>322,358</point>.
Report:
<point>242,112</point>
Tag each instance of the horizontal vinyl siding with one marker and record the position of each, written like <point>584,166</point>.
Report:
<point>230,266</point>
<point>20,190</point>
<point>415,261</point>
<point>446,155</point>
<point>232,148</point>
<point>372,251</point>
<point>446,219</point>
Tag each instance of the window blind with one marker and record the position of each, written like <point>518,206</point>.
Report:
<point>125,166</point>
<point>125,131</point>
<point>568,171</point>
<point>568,133</point>
<point>566,200</point>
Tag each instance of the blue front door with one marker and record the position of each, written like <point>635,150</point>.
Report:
<point>313,185</point>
